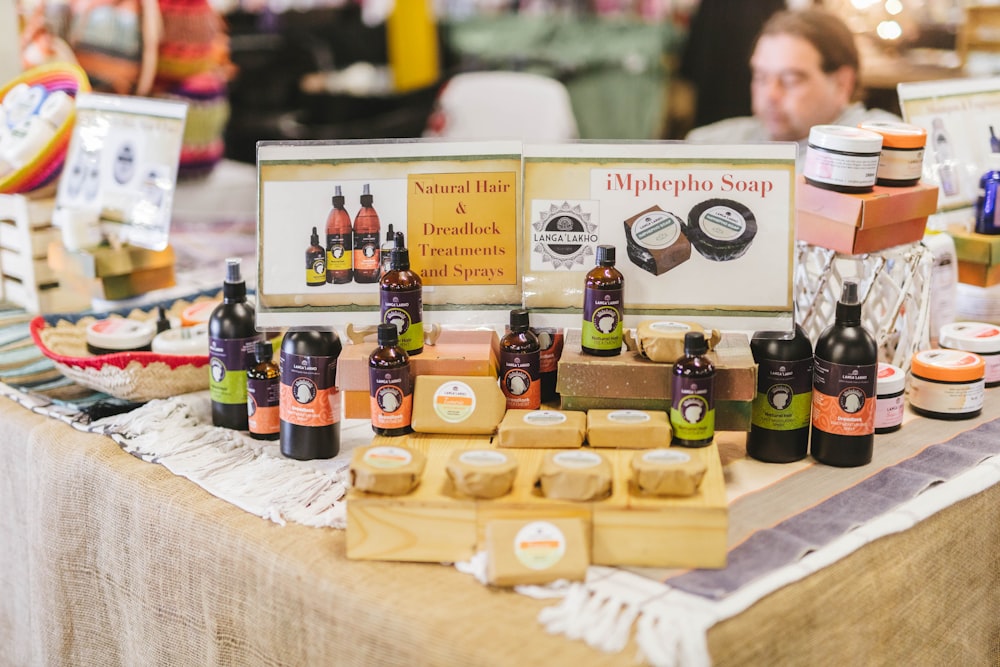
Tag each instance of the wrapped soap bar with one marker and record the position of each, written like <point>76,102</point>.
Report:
<point>482,473</point>
<point>536,552</point>
<point>667,472</point>
<point>575,474</point>
<point>467,405</point>
<point>551,429</point>
<point>654,242</point>
<point>628,429</point>
<point>387,470</point>
<point>663,340</point>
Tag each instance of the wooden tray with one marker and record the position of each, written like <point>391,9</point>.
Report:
<point>436,523</point>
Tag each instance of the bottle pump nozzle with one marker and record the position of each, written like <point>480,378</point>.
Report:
<point>233,270</point>
<point>234,288</point>
<point>849,307</point>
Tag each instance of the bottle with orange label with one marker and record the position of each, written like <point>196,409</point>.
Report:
<point>845,371</point>
<point>367,228</point>
<point>520,372</point>
<point>263,391</point>
<point>339,241</point>
<point>309,408</point>
<point>390,384</point>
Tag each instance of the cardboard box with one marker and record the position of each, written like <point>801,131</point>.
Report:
<point>856,224</point>
<point>114,273</point>
<point>456,352</point>
<point>976,248</point>
<point>983,275</point>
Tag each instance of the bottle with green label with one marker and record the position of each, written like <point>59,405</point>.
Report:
<point>231,339</point>
<point>603,306</point>
<point>401,299</point>
<point>779,422</point>
<point>692,394</point>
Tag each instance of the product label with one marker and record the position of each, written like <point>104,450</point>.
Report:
<point>520,379</point>
<point>386,457</point>
<point>722,223</point>
<point>338,252</point>
<point>888,411</point>
<point>551,343</point>
<point>544,418</point>
<point>539,545</point>
<point>454,402</point>
<point>840,169</point>
<point>953,399</point>
<point>666,456</point>
<point>692,408</point>
<point>316,268</point>
<point>843,400</point>
<point>656,230</point>
<point>404,310</point>
<point>900,165</point>
<point>309,395</point>
<point>577,459</point>
<point>263,396</point>
<point>228,360</point>
<point>391,397</point>
<point>629,416</point>
<point>484,458</point>
<point>366,252</point>
<point>602,318</point>
<point>784,395</point>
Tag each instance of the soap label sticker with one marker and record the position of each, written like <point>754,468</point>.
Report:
<point>386,457</point>
<point>483,458</point>
<point>667,326</point>
<point>629,417</point>
<point>577,459</point>
<point>539,545</point>
<point>454,402</point>
<point>544,418</point>
<point>666,456</point>
<point>656,230</point>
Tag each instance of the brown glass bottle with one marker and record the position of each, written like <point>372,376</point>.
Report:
<point>315,262</point>
<point>520,374</point>
<point>401,299</point>
<point>263,393</point>
<point>385,253</point>
<point>309,406</point>
<point>603,306</point>
<point>391,384</point>
<point>367,265</point>
<point>339,242</point>
<point>692,394</point>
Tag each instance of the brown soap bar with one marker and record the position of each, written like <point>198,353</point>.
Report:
<point>467,405</point>
<point>536,552</point>
<point>481,473</point>
<point>667,472</point>
<point>575,474</point>
<point>551,429</point>
<point>628,429</point>
<point>654,241</point>
<point>388,470</point>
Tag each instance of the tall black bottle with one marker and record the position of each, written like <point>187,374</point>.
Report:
<point>845,369</point>
<point>779,422</point>
<point>309,407</point>
<point>231,339</point>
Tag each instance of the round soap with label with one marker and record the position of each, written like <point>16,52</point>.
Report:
<point>386,470</point>
<point>482,473</point>
<point>667,472</point>
<point>575,474</point>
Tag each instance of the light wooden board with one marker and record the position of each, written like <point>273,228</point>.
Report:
<point>436,523</point>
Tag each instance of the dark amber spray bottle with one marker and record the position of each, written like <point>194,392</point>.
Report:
<point>520,375</point>
<point>366,241</point>
<point>315,262</point>
<point>603,301</point>
<point>401,299</point>
<point>339,241</point>
<point>391,384</point>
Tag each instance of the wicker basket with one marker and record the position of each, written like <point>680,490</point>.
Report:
<point>134,376</point>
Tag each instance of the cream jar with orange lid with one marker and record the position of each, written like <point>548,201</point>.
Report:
<point>901,162</point>
<point>947,384</point>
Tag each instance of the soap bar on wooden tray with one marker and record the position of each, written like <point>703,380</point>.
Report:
<point>468,405</point>
<point>552,429</point>
<point>628,429</point>
<point>386,470</point>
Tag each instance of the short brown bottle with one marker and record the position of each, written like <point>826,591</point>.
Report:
<point>391,384</point>
<point>692,394</point>
<point>603,306</point>
<point>520,374</point>
<point>263,393</point>
<point>315,262</point>
<point>401,300</point>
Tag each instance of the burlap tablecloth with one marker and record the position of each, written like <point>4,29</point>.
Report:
<point>108,560</point>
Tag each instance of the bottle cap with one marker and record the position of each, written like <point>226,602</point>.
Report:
<point>388,335</point>
<point>948,365</point>
<point>896,134</point>
<point>890,379</point>
<point>399,260</point>
<point>233,270</point>
<point>519,320</point>
<point>979,337</point>
<point>338,197</point>
<point>605,255</point>
<point>263,350</point>
<point>695,343</point>
<point>848,307</point>
<point>233,288</point>
<point>845,138</point>
<point>366,196</point>
<point>389,235</point>
<point>314,237</point>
